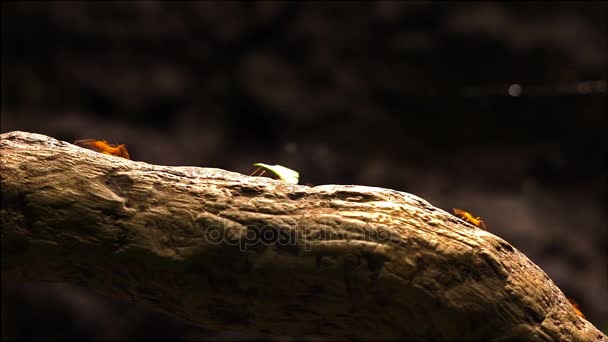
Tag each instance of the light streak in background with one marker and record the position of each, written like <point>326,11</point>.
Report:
<point>519,89</point>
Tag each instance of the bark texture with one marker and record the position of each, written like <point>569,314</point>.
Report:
<point>232,252</point>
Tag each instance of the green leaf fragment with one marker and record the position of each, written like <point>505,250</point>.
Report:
<point>283,173</point>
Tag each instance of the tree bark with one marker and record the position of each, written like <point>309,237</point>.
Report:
<point>232,252</point>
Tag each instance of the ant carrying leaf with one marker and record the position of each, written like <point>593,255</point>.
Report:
<point>104,147</point>
<point>466,216</point>
<point>281,172</point>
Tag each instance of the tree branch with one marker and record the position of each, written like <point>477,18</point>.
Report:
<point>232,252</point>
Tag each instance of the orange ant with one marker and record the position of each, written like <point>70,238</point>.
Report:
<point>102,146</point>
<point>466,216</point>
<point>577,308</point>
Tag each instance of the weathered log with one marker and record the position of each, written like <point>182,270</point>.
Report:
<point>232,252</point>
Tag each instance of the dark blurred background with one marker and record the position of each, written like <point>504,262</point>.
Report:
<point>494,107</point>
